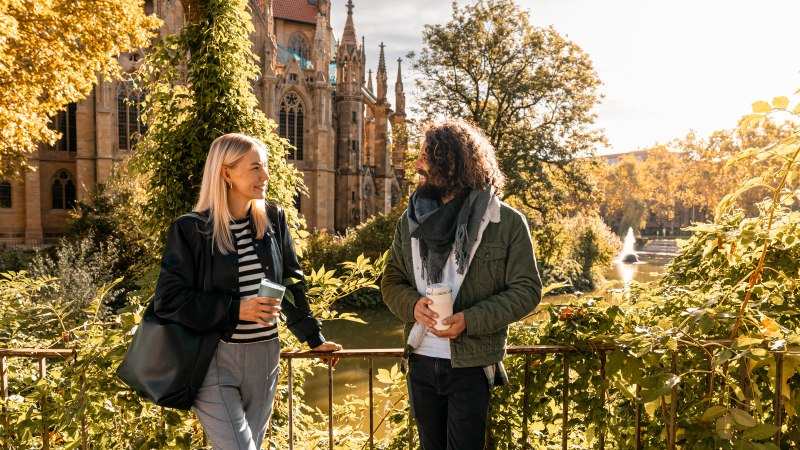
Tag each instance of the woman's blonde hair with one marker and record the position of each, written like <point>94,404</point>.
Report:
<point>227,150</point>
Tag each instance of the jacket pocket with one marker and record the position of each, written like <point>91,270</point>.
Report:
<point>490,263</point>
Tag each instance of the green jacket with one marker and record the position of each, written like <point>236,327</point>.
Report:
<point>501,286</point>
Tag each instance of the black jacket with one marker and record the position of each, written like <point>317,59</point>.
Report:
<point>180,295</point>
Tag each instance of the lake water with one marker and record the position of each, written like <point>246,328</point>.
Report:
<point>384,330</point>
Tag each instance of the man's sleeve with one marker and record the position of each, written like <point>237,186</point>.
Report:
<point>398,292</point>
<point>523,287</point>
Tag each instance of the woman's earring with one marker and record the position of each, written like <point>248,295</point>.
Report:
<point>230,185</point>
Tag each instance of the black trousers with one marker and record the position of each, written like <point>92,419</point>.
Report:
<point>450,405</point>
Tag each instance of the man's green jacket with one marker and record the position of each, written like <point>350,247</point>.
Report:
<point>502,286</point>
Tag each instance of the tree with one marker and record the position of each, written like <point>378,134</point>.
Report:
<point>531,90</point>
<point>188,108</point>
<point>51,54</point>
<point>623,202</point>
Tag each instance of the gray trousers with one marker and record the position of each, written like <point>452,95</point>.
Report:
<point>235,400</point>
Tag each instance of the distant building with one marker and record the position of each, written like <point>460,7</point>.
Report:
<point>639,155</point>
<point>315,88</point>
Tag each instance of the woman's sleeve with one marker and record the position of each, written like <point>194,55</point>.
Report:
<point>298,316</point>
<point>180,296</point>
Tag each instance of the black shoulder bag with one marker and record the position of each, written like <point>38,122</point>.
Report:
<point>166,361</point>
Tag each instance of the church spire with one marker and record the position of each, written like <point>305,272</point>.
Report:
<point>381,75</point>
<point>399,93</point>
<point>369,81</point>
<point>349,35</point>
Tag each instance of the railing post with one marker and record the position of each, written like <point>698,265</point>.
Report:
<point>565,403</point>
<point>638,427</point>
<point>673,407</point>
<point>330,403</point>
<point>291,404</point>
<point>4,389</point>
<point>778,396</point>
<point>42,405</point>
<point>525,398</point>
<point>371,409</point>
<point>603,396</point>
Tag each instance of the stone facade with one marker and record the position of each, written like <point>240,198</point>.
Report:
<point>314,87</point>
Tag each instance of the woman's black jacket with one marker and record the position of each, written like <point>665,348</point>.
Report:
<point>180,293</point>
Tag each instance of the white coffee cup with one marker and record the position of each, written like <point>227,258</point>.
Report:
<point>271,290</point>
<point>442,297</point>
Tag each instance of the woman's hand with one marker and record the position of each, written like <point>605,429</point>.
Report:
<point>261,310</point>
<point>328,346</point>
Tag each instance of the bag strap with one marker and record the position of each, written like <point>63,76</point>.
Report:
<point>207,250</point>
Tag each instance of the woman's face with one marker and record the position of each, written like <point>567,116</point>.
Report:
<point>248,176</point>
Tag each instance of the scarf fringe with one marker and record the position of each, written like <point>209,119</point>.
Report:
<point>462,252</point>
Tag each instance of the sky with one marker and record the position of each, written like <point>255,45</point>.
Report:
<point>667,67</point>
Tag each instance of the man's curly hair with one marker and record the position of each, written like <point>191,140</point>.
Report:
<point>459,156</point>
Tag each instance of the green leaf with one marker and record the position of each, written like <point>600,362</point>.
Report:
<point>724,427</point>
<point>742,418</point>
<point>714,412</point>
<point>760,431</point>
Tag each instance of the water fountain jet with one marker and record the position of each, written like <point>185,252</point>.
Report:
<point>628,254</point>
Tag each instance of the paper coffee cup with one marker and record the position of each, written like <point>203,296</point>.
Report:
<point>442,297</point>
<point>272,290</point>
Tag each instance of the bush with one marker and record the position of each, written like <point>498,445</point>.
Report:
<point>575,250</point>
<point>80,269</point>
<point>14,259</point>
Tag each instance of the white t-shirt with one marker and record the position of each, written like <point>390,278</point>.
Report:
<point>434,346</point>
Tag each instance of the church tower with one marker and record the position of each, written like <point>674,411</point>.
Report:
<point>400,136</point>
<point>383,173</point>
<point>349,126</point>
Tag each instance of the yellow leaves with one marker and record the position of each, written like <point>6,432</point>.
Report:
<point>49,70</point>
<point>780,102</point>
<point>761,107</point>
<point>770,328</point>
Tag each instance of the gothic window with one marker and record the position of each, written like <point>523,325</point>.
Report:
<point>63,190</point>
<point>129,109</point>
<point>64,123</point>
<point>5,194</point>
<point>299,46</point>
<point>290,125</point>
<point>298,201</point>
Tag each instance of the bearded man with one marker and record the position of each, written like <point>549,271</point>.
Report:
<point>457,231</point>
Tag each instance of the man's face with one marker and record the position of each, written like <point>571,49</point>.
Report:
<point>425,188</point>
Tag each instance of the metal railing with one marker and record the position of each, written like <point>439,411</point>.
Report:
<point>370,354</point>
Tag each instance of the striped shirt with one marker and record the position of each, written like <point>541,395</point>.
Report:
<point>250,275</point>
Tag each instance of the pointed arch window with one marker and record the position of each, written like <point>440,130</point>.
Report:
<point>129,114</point>
<point>290,124</point>
<point>5,194</point>
<point>63,191</point>
<point>64,123</point>
<point>299,46</point>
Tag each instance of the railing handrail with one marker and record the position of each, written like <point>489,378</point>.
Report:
<point>526,350</point>
<point>382,352</point>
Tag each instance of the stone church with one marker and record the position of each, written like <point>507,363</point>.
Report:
<point>315,87</point>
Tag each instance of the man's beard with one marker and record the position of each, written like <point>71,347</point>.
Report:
<point>430,191</point>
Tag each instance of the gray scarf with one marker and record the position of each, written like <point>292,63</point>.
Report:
<point>439,227</point>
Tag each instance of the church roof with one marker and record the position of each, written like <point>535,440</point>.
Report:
<point>296,10</point>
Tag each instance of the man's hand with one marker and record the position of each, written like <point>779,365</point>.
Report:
<point>458,324</point>
<point>423,314</point>
<point>259,310</point>
<point>328,346</point>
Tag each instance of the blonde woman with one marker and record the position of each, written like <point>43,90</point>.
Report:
<point>211,269</point>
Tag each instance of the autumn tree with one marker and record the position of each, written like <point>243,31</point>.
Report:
<point>51,54</point>
<point>529,88</point>
<point>623,198</point>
